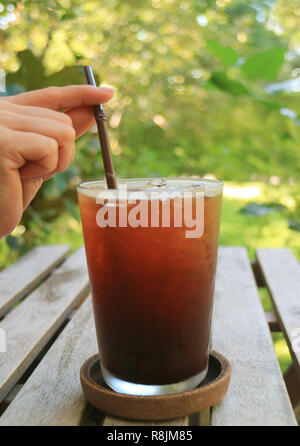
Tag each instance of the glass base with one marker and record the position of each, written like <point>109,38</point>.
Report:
<point>121,386</point>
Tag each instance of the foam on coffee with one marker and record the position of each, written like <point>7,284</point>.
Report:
<point>211,188</point>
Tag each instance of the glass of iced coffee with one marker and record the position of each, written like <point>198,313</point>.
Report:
<point>151,248</point>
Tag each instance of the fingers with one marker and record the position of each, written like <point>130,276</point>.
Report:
<point>11,200</point>
<point>38,112</point>
<point>76,99</point>
<point>25,159</point>
<point>33,155</point>
<point>37,140</point>
<point>83,119</point>
<point>62,134</point>
<point>15,195</point>
<point>61,98</point>
<point>65,158</point>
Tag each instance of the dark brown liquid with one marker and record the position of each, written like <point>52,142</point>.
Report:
<point>152,294</point>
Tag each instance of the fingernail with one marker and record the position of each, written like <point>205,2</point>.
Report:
<point>108,88</point>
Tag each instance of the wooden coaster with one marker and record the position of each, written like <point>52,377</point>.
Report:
<point>165,407</point>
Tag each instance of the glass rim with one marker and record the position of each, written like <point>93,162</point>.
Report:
<point>208,182</point>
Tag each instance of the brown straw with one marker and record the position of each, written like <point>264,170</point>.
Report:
<point>103,135</point>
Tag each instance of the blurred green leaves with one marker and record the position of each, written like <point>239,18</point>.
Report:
<point>31,74</point>
<point>13,242</point>
<point>260,66</point>
<point>258,209</point>
<point>58,184</point>
<point>231,86</point>
<point>226,54</point>
<point>264,65</point>
<point>72,208</point>
<point>192,94</point>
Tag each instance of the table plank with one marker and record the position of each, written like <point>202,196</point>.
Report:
<point>115,421</point>
<point>272,321</point>
<point>52,396</point>
<point>257,395</point>
<point>281,272</point>
<point>30,326</point>
<point>19,278</point>
<point>292,382</point>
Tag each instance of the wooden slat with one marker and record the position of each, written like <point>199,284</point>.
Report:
<point>257,274</point>
<point>31,325</point>
<point>19,278</point>
<point>114,421</point>
<point>257,394</point>
<point>292,382</point>
<point>9,398</point>
<point>200,419</point>
<point>281,273</point>
<point>272,321</point>
<point>52,396</point>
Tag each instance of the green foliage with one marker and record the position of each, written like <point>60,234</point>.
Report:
<point>258,209</point>
<point>233,87</point>
<point>191,100</point>
<point>226,54</point>
<point>264,65</point>
<point>31,74</point>
<point>194,97</point>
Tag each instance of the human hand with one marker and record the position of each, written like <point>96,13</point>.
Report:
<point>37,139</point>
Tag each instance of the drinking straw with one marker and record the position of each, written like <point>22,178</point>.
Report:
<point>102,133</point>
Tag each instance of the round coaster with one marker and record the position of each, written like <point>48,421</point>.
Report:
<point>165,407</point>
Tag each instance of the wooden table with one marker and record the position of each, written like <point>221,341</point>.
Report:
<point>51,332</point>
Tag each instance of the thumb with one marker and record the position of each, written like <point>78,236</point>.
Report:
<point>61,98</point>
